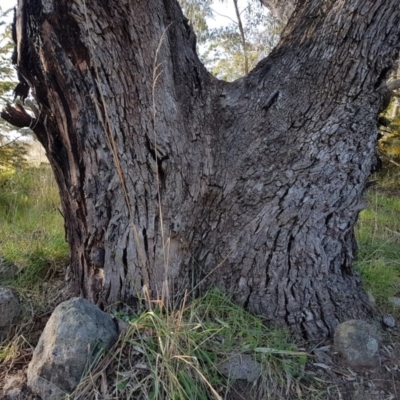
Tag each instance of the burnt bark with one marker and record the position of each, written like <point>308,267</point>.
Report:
<point>171,180</point>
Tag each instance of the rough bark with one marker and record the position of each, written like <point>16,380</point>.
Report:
<point>172,180</point>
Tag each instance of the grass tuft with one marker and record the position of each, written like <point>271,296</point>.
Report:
<point>175,355</point>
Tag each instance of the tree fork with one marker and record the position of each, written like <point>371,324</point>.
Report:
<point>252,186</point>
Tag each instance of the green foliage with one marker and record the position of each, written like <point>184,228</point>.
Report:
<point>222,48</point>
<point>225,53</point>
<point>31,229</point>
<point>197,11</point>
<point>12,150</point>
<point>6,47</point>
<point>7,81</point>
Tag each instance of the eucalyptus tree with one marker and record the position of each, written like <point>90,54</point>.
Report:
<point>172,180</point>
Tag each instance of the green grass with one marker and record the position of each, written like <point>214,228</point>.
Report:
<point>378,237</point>
<point>31,232</point>
<point>175,355</point>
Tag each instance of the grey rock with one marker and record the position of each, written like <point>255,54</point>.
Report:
<point>395,301</point>
<point>240,366</point>
<point>8,270</point>
<point>9,307</point>
<point>388,321</point>
<point>357,343</point>
<point>13,394</point>
<point>74,334</point>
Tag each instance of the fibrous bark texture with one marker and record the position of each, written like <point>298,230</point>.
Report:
<point>172,180</point>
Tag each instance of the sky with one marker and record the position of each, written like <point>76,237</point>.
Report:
<point>6,4</point>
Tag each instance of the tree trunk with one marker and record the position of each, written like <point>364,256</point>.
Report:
<point>171,180</point>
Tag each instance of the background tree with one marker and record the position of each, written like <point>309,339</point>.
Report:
<point>198,11</point>
<point>232,50</point>
<point>172,180</point>
<point>12,151</point>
